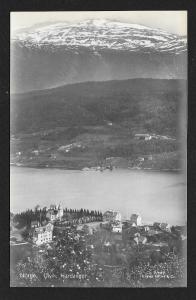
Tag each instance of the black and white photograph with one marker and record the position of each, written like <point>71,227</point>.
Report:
<point>98,149</point>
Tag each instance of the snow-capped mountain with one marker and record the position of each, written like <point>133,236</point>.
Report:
<point>103,34</point>
<point>55,54</point>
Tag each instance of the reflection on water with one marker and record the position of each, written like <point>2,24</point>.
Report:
<point>156,196</point>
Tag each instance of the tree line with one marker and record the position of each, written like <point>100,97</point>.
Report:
<point>24,219</point>
<point>79,213</point>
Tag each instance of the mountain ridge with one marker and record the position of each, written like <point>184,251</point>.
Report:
<point>99,82</point>
<point>98,34</point>
<point>94,51</point>
<point>96,102</point>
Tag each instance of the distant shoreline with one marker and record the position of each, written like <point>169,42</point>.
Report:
<point>90,170</point>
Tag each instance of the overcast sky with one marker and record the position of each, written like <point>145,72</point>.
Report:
<point>171,21</point>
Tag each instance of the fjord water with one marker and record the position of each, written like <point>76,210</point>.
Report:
<point>157,196</point>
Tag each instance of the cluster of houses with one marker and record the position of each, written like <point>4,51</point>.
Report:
<point>132,228</point>
<point>42,231</point>
<point>115,220</point>
<point>112,220</point>
<point>148,137</point>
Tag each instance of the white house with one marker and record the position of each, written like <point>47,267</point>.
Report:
<point>136,220</point>
<point>116,226</point>
<point>60,212</point>
<point>43,234</point>
<point>146,228</point>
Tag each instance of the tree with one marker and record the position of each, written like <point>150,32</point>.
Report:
<point>25,234</point>
<point>37,207</point>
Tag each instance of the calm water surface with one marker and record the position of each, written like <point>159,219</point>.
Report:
<point>157,196</point>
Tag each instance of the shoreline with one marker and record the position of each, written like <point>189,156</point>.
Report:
<point>91,169</point>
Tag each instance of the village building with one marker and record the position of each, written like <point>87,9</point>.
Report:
<point>136,220</point>
<point>111,216</point>
<point>70,147</point>
<point>162,226</point>
<point>36,152</point>
<point>143,136</point>
<point>43,234</point>
<point>54,213</point>
<point>44,223</point>
<point>140,240</point>
<point>126,224</point>
<point>140,158</point>
<point>116,226</point>
<point>35,224</point>
<point>65,148</point>
<point>107,246</point>
<point>147,157</point>
<point>51,215</point>
<point>146,228</point>
<point>165,226</point>
<point>147,136</point>
<point>129,234</point>
<point>60,212</point>
<point>183,237</point>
